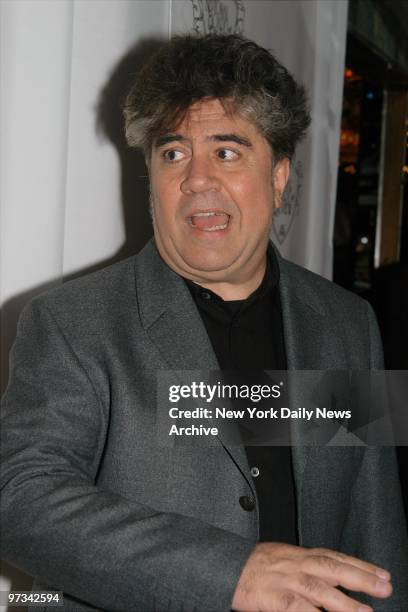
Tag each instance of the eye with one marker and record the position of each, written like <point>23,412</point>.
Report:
<point>172,155</point>
<point>227,154</point>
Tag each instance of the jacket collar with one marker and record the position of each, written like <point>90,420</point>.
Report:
<point>165,304</point>
<point>169,315</point>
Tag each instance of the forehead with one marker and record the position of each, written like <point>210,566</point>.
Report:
<point>208,114</point>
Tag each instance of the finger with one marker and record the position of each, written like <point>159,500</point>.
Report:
<point>342,557</point>
<point>322,595</point>
<point>337,573</point>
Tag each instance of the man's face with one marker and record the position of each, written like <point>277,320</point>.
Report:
<point>213,188</point>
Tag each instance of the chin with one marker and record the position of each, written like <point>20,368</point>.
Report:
<point>209,263</point>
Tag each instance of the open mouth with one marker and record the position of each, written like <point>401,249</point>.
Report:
<point>209,221</point>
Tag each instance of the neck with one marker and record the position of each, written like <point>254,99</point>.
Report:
<point>230,291</point>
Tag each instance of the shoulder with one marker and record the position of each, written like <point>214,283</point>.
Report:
<point>98,304</point>
<point>93,291</point>
<point>112,284</point>
<point>345,317</point>
<point>323,295</point>
<point>94,305</point>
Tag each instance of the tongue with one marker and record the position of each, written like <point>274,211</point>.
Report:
<point>206,222</point>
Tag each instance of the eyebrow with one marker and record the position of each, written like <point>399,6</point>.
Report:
<point>161,141</point>
<point>232,138</point>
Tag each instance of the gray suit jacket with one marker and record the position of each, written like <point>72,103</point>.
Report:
<point>90,503</point>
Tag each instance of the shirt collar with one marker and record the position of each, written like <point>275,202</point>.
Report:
<point>269,282</point>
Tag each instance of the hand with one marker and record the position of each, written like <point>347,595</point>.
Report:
<point>282,577</point>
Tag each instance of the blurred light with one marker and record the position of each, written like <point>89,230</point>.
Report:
<point>348,73</point>
<point>405,168</point>
<point>349,137</point>
<point>364,240</point>
<point>350,169</point>
<point>370,95</point>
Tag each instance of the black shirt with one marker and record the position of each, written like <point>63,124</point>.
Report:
<point>247,335</point>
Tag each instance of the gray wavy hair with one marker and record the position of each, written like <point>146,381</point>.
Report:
<point>245,77</point>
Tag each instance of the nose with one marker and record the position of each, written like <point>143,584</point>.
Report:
<point>200,176</point>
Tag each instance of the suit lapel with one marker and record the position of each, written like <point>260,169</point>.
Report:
<point>311,344</point>
<point>173,324</point>
<point>172,321</point>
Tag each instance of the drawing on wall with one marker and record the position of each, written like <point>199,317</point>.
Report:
<point>285,215</point>
<point>218,16</point>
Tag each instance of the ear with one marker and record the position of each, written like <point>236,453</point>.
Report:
<point>280,178</point>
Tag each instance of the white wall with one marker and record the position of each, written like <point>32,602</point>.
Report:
<point>60,189</point>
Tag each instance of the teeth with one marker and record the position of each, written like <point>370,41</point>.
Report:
<point>205,214</point>
<point>214,228</point>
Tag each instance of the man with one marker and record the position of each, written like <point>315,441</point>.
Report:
<point>91,504</point>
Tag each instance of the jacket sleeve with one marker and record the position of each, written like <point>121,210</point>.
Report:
<point>376,530</point>
<point>93,544</point>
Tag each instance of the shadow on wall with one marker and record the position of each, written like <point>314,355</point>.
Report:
<point>135,203</point>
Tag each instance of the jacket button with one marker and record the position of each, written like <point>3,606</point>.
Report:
<point>247,503</point>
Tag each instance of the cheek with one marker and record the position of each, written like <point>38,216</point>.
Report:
<point>158,189</point>
<point>254,196</point>
<point>167,192</point>
<point>164,199</point>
